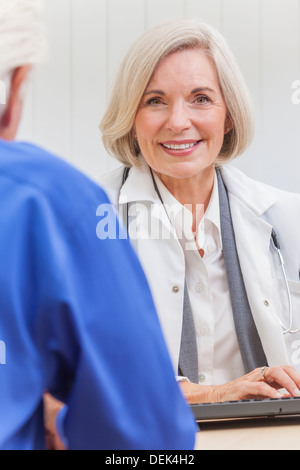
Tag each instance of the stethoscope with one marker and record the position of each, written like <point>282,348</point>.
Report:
<point>276,246</point>
<point>274,243</point>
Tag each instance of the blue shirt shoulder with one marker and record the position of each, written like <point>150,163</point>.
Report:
<point>77,318</point>
<point>50,175</point>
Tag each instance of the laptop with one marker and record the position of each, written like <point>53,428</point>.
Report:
<point>247,409</point>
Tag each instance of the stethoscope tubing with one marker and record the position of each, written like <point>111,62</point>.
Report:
<point>276,246</point>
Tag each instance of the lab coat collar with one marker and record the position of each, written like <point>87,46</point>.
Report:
<point>212,213</point>
<point>254,195</point>
<point>139,188</point>
<point>139,185</point>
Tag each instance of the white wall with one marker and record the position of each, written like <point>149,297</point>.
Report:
<point>88,38</point>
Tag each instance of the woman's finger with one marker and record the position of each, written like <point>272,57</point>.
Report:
<point>283,377</point>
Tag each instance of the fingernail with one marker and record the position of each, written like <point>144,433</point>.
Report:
<point>296,392</point>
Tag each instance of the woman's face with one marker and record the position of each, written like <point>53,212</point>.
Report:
<point>181,121</point>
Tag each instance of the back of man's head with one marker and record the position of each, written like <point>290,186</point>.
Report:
<point>22,37</point>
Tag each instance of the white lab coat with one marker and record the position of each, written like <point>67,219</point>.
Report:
<point>255,209</point>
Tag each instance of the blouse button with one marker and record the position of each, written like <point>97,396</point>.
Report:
<point>175,289</point>
<point>204,331</point>
<point>202,378</point>
<point>199,287</point>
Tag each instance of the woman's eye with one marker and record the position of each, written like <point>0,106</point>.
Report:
<point>154,102</point>
<point>202,99</point>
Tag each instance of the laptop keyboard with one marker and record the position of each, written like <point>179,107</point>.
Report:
<point>247,409</point>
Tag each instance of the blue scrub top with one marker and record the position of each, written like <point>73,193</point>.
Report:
<point>77,318</point>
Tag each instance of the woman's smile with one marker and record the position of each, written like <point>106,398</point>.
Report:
<point>180,148</point>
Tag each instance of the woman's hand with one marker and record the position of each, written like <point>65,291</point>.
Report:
<point>258,384</point>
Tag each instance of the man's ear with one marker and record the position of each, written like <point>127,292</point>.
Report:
<point>10,119</point>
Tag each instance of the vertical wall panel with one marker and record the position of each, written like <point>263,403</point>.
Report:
<point>158,11</point>
<point>125,22</point>
<point>280,117</point>
<point>88,84</point>
<point>52,100</point>
<point>206,10</point>
<point>242,30</point>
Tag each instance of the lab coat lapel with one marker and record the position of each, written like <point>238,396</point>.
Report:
<point>139,189</point>
<point>253,235</point>
<point>159,251</point>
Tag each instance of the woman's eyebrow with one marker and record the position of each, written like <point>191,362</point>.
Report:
<point>156,92</point>
<point>195,90</point>
<point>202,89</point>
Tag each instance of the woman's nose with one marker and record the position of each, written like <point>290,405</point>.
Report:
<point>178,118</point>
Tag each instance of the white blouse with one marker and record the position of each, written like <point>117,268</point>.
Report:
<point>219,357</point>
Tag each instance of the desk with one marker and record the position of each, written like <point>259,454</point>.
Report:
<point>251,434</point>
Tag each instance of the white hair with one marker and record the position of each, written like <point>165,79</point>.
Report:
<point>22,34</point>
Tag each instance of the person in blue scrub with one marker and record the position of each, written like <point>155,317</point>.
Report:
<point>77,317</point>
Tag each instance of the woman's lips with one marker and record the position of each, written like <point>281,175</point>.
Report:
<point>182,147</point>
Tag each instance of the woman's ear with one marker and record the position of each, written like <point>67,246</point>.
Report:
<point>228,125</point>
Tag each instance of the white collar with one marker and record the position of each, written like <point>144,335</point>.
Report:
<point>139,185</point>
<point>181,216</point>
<point>254,195</point>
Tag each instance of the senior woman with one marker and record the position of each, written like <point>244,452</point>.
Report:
<point>204,232</point>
